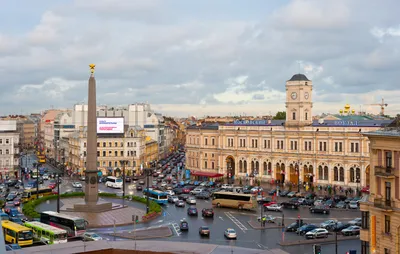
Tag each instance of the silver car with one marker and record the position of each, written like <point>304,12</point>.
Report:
<point>89,236</point>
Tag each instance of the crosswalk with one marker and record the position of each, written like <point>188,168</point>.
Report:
<point>236,222</point>
<point>175,226</point>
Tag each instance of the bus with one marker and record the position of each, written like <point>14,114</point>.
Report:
<point>157,196</point>
<point>42,159</point>
<point>46,233</point>
<point>30,194</point>
<point>234,200</point>
<point>16,233</point>
<point>114,182</point>
<point>74,226</point>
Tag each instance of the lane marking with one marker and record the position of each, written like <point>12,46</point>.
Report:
<point>177,229</point>
<point>236,222</point>
<point>220,218</point>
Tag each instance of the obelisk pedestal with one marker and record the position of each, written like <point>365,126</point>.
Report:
<point>91,177</point>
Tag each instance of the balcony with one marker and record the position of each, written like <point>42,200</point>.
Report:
<point>385,172</point>
<point>384,204</point>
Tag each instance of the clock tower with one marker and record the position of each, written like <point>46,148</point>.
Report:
<point>298,101</point>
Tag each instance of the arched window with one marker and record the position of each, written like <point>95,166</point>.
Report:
<point>245,166</point>
<point>320,173</point>
<point>257,167</point>
<point>352,176</point>
<point>252,167</point>
<point>265,169</point>
<point>358,175</point>
<point>341,174</point>
<point>240,166</point>
<point>335,174</point>
<point>326,173</point>
<point>205,164</point>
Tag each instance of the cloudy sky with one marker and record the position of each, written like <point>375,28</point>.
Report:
<point>199,57</point>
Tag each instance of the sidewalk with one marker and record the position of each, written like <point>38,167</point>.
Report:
<point>141,234</point>
<point>257,225</point>
<point>330,239</point>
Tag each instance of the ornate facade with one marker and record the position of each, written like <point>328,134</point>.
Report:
<point>298,149</point>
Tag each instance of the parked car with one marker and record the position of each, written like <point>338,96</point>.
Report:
<point>319,209</point>
<point>291,194</point>
<point>192,211</point>
<point>341,205</point>
<point>295,225</point>
<point>268,218</point>
<point>328,224</point>
<point>353,204</point>
<point>207,212</point>
<point>290,204</point>
<point>284,193</point>
<point>274,207</point>
<point>340,226</point>
<point>306,228</point>
<point>172,199</point>
<point>230,233</point>
<point>91,236</point>
<point>355,222</point>
<point>317,233</point>
<point>352,230</point>
<point>203,195</point>
<point>12,247</point>
<point>204,231</point>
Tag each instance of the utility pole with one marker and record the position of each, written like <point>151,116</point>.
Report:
<point>123,163</point>
<point>336,241</point>
<point>58,193</point>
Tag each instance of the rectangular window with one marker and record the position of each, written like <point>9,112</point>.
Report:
<point>252,143</point>
<point>265,143</point>
<point>282,144</point>
<point>1,141</point>
<point>104,144</point>
<point>104,154</point>
<point>244,142</point>
<point>269,144</point>
<point>291,145</point>
<point>388,158</point>
<point>364,247</point>
<point>309,145</point>
<point>324,146</point>
<point>277,144</point>
<point>320,146</point>
<point>356,148</point>
<point>352,147</point>
<point>212,164</point>
<point>205,141</point>
<point>305,145</point>
<point>387,251</point>
<point>306,116</point>
<point>387,224</point>
<point>365,220</point>
<point>295,145</point>
<point>256,143</point>
<point>213,142</point>
<point>336,146</point>
<point>340,146</point>
<point>294,115</point>
<point>205,164</point>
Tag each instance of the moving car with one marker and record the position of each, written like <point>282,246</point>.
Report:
<point>191,201</point>
<point>204,231</point>
<point>352,230</point>
<point>294,226</point>
<point>317,233</point>
<point>184,226</point>
<point>319,209</point>
<point>207,212</point>
<point>328,224</point>
<point>90,236</point>
<point>192,211</point>
<point>12,247</point>
<point>306,228</point>
<point>340,226</point>
<point>355,222</point>
<point>353,204</point>
<point>45,177</point>
<point>180,203</point>
<point>172,199</point>
<point>268,218</point>
<point>139,188</point>
<point>341,205</point>
<point>141,182</point>
<point>230,233</point>
<point>274,207</point>
<point>76,185</point>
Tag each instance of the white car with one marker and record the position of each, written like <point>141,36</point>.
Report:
<point>353,204</point>
<point>317,233</point>
<point>196,191</point>
<point>45,177</point>
<point>191,201</point>
<point>76,185</point>
<point>89,236</point>
<point>230,233</point>
<point>170,193</point>
<point>225,186</point>
<point>163,184</point>
<point>274,207</point>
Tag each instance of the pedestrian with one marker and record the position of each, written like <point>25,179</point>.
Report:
<point>264,220</point>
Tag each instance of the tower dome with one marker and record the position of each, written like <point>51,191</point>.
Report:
<point>299,77</point>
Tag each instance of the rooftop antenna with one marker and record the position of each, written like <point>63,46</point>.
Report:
<point>299,63</point>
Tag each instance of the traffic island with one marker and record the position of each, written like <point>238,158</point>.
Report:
<point>330,239</point>
<point>142,234</point>
<point>257,225</point>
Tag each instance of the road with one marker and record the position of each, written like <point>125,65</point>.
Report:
<point>225,218</point>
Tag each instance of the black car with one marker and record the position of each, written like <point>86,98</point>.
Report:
<point>290,204</point>
<point>135,178</point>
<point>139,187</point>
<point>192,211</point>
<point>177,191</point>
<point>183,197</point>
<point>295,225</point>
<point>264,200</point>
<point>11,197</point>
<point>284,193</point>
<point>340,226</point>
<point>308,202</point>
<point>184,226</point>
<point>320,209</point>
<point>272,192</point>
<point>207,212</point>
<point>128,179</point>
<point>306,228</point>
<point>203,195</point>
<point>11,182</point>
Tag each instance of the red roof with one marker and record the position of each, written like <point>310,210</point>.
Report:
<point>204,173</point>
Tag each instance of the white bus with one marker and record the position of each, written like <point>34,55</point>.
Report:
<point>114,182</point>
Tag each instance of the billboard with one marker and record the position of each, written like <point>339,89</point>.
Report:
<point>110,125</point>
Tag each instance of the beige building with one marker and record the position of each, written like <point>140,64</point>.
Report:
<point>9,149</point>
<point>381,210</point>
<point>112,148</point>
<point>323,152</point>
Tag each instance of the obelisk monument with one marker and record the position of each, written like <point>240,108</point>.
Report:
<point>91,177</point>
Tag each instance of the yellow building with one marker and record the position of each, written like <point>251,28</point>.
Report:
<point>151,151</point>
<point>381,210</point>
<point>111,149</point>
<point>298,149</point>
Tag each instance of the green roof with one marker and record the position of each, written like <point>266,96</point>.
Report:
<point>353,118</point>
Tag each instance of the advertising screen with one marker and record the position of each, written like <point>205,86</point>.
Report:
<point>110,125</point>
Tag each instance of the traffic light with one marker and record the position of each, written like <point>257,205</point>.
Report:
<point>317,249</point>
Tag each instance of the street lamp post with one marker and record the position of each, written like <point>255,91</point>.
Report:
<point>123,163</point>
<point>58,193</point>
<point>37,179</point>
<point>148,172</point>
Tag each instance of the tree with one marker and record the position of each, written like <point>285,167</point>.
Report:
<point>280,115</point>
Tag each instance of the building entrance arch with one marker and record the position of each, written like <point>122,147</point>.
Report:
<point>293,178</point>
<point>308,174</point>
<point>230,169</point>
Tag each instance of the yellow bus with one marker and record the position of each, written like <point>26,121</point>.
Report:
<point>30,194</point>
<point>234,200</point>
<point>16,233</point>
<point>42,159</point>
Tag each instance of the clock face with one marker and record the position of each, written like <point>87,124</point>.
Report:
<point>294,95</point>
<point>306,95</point>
